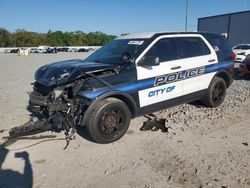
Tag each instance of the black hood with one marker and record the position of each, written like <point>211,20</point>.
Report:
<point>64,72</point>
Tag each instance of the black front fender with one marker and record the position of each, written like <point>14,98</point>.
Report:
<point>125,97</point>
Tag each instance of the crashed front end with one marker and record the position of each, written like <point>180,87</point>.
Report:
<point>55,101</point>
<point>59,106</point>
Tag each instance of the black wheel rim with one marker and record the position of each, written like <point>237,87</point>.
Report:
<point>218,93</point>
<point>112,121</point>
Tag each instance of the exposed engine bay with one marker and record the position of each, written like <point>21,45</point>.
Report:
<point>60,108</point>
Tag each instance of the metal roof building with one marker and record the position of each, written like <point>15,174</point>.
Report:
<point>235,26</point>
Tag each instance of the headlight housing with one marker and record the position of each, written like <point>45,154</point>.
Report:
<point>57,92</point>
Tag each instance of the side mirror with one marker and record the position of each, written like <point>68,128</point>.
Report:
<point>149,60</point>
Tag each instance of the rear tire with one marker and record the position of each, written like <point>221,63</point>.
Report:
<point>216,93</point>
<point>108,121</point>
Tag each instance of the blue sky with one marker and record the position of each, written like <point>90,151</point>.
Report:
<point>111,16</point>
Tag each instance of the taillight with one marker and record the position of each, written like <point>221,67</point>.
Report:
<point>233,56</point>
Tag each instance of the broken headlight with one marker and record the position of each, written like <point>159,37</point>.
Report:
<point>58,92</point>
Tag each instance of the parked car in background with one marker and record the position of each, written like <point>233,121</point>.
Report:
<point>59,49</point>
<point>34,50</point>
<point>91,49</point>
<point>42,50</point>
<point>51,50</point>
<point>72,50</point>
<point>83,50</point>
<point>14,50</point>
<point>7,50</point>
<point>244,68</point>
<point>241,51</point>
<point>63,49</point>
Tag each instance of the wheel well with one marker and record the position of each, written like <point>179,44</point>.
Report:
<point>225,77</point>
<point>127,101</point>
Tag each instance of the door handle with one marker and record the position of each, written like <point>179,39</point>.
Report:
<point>177,67</point>
<point>211,60</point>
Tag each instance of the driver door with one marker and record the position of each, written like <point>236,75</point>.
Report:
<point>164,76</point>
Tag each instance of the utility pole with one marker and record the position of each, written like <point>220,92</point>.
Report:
<point>186,18</point>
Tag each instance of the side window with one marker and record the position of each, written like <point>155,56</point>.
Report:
<point>166,49</point>
<point>220,45</point>
<point>193,46</point>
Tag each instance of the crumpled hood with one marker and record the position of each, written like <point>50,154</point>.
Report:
<point>64,72</point>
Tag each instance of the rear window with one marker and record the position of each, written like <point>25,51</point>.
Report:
<point>220,45</point>
<point>193,46</point>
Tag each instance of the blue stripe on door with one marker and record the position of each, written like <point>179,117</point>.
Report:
<point>149,82</point>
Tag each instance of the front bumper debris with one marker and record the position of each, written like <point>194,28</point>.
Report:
<point>30,128</point>
<point>38,100</point>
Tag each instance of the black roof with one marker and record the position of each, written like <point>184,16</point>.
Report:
<point>175,33</point>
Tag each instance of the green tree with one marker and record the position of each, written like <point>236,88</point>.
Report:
<point>56,38</point>
<point>23,38</point>
<point>5,38</point>
<point>81,38</point>
<point>98,38</point>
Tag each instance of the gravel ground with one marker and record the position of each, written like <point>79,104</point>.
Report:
<point>203,148</point>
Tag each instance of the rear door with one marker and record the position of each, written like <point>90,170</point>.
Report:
<point>162,78</point>
<point>196,56</point>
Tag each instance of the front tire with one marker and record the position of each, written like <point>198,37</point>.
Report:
<point>216,93</point>
<point>108,121</point>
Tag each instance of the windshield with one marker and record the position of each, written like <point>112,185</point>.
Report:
<point>112,52</point>
<point>242,47</point>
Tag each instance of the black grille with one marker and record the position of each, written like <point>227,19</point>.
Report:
<point>41,89</point>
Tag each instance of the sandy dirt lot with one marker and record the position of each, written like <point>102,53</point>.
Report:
<point>203,148</point>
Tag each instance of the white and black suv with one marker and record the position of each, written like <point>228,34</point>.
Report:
<point>132,76</point>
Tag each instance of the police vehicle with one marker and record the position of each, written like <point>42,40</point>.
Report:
<point>132,76</point>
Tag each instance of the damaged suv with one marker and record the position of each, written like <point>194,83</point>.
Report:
<point>132,76</point>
